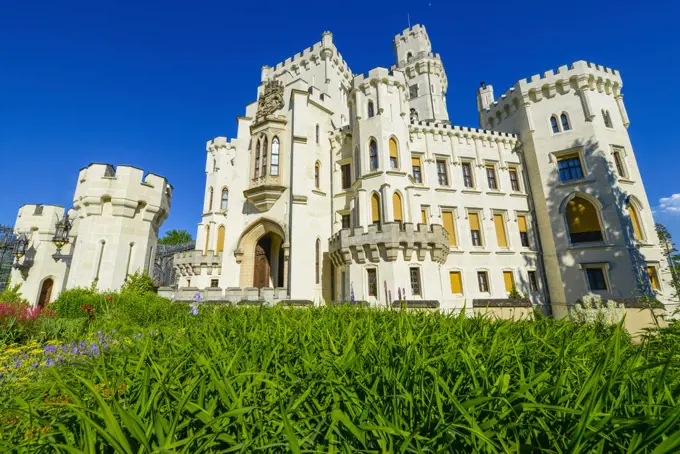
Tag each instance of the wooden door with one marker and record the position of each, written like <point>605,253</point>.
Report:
<point>45,293</point>
<point>261,275</point>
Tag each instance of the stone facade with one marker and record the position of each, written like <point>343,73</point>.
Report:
<point>340,184</point>
<point>115,219</point>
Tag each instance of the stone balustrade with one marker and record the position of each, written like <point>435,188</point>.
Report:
<point>385,242</point>
<point>189,263</point>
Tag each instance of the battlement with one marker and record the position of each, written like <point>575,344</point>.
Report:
<point>42,218</point>
<point>127,189</point>
<point>219,143</point>
<point>416,32</point>
<point>377,75</point>
<point>463,131</point>
<point>308,55</point>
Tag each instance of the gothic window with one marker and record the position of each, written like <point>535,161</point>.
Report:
<point>394,154</point>
<point>318,260</point>
<point>565,122</point>
<point>220,239</point>
<point>635,220</point>
<point>207,240</point>
<point>317,134</point>
<point>225,199</point>
<point>257,159</point>
<point>265,148</point>
<point>371,113</point>
<point>373,154</point>
<point>316,175</point>
<point>553,124</point>
<point>375,209</point>
<point>416,169</point>
<point>275,156</point>
<point>397,208</point>
<point>583,221</point>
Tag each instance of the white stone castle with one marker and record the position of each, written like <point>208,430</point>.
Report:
<point>341,186</point>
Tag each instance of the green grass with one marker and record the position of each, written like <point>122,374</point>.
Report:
<point>353,380</point>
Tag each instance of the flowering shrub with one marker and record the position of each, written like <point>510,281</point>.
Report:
<point>592,309</point>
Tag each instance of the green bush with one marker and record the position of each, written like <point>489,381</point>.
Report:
<point>12,293</point>
<point>138,284</point>
<point>69,303</point>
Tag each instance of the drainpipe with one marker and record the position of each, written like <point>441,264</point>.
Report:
<point>290,200</point>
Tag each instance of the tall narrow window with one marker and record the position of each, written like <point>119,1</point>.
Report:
<point>533,281</point>
<point>371,277</point>
<point>441,172</point>
<point>318,260</point>
<point>635,220</point>
<point>456,282</point>
<point>346,221</point>
<point>618,161</point>
<point>214,165</point>
<point>596,279</point>
<point>207,240</point>
<point>265,151</point>
<point>316,175</point>
<point>210,200</point>
<point>447,220</point>
<point>394,154</point>
<point>509,280</point>
<point>570,167</point>
<point>467,175</point>
<point>357,163</point>
<point>553,124</point>
<point>370,109</point>
<point>475,231</point>
<point>483,281</point>
<point>317,134</point>
<point>396,206</point>
<point>423,215</point>
<point>499,224</point>
<point>275,156</point>
<point>523,231</point>
<point>220,239</point>
<point>491,177</point>
<point>102,243</point>
<point>565,122</point>
<point>583,221</point>
<point>373,154</point>
<point>375,209</point>
<point>415,280</point>
<point>346,172</point>
<point>415,166</point>
<point>607,118</point>
<point>129,260</point>
<point>257,160</point>
<point>225,199</point>
<point>514,181</point>
<point>653,277</point>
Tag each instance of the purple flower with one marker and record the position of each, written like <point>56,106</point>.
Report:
<point>351,295</point>
<point>75,350</point>
<point>17,364</point>
<point>50,349</point>
<point>113,332</point>
<point>194,310</point>
<point>35,364</point>
<point>94,349</point>
<point>138,335</point>
<point>49,363</point>
<point>197,297</point>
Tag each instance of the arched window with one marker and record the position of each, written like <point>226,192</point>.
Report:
<point>565,122</point>
<point>316,174</point>
<point>409,56</point>
<point>370,109</point>
<point>225,199</point>
<point>583,221</point>
<point>607,118</point>
<point>210,199</point>
<point>554,125</point>
<point>375,209</point>
<point>396,206</point>
<point>220,239</point>
<point>357,163</point>
<point>373,154</point>
<point>317,133</point>
<point>275,156</point>
<point>635,220</point>
<point>257,159</point>
<point>394,154</point>
<point>265,147</point>
<point>207,240</point>
<point>317,266</point>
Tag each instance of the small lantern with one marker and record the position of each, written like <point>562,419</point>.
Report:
<point>20,247</point>
<point>63,228</point>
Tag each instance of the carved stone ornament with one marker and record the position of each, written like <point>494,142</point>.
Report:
<point>271,100</point>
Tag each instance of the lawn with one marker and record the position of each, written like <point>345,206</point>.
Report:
<point>136,373</point>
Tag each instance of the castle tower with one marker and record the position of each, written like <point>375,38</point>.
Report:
<point>425,76</point>
<point>595,221</point>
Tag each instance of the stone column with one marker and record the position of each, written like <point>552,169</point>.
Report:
<point>622,109</point>
<point>527,111</point>
<point>585,101</point>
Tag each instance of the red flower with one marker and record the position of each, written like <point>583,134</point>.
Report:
<point>109,298</point>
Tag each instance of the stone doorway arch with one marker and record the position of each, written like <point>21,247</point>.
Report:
<point>262,253</point>
<point>45,292</point>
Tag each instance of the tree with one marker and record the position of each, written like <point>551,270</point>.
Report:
<point>671,254</point>
<point>175,237</point>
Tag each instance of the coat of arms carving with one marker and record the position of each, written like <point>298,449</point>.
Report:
<point>271,100</point>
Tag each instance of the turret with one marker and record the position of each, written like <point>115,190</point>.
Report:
<point>484,100</point>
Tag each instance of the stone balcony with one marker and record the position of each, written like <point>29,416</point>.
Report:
<point>385,243</point>
<point>264,191</point>
<point>189,263</point>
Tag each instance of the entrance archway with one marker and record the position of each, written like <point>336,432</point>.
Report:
<point>45,292</point>
<point>268,263</point>
<point>262,255</point>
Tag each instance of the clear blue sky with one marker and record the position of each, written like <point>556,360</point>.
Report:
<point>133,82</point>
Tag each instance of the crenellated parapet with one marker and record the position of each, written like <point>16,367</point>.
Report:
<point>362,82</point>
<point>38,218</point>
<point>437,131</point>
<point>387,241</point>
<point>126,188</point>
<point>190,263</point>
<point>579,77</point>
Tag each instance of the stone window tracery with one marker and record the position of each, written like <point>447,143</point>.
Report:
<point>275,156</point>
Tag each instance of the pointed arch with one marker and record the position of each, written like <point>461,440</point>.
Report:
<point>564,119</point>
<point>373,153</point>
<point>265,149</point>
<point>634,210</point>
<point>220,238</point>
<point>371,110</point>
<point>397,207</point>
<point>376,209</point>
<point>274,169</point>
<point>394,153</point>
<point>583,217</point>
<point>554,125</point>
<point>224,201</point>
